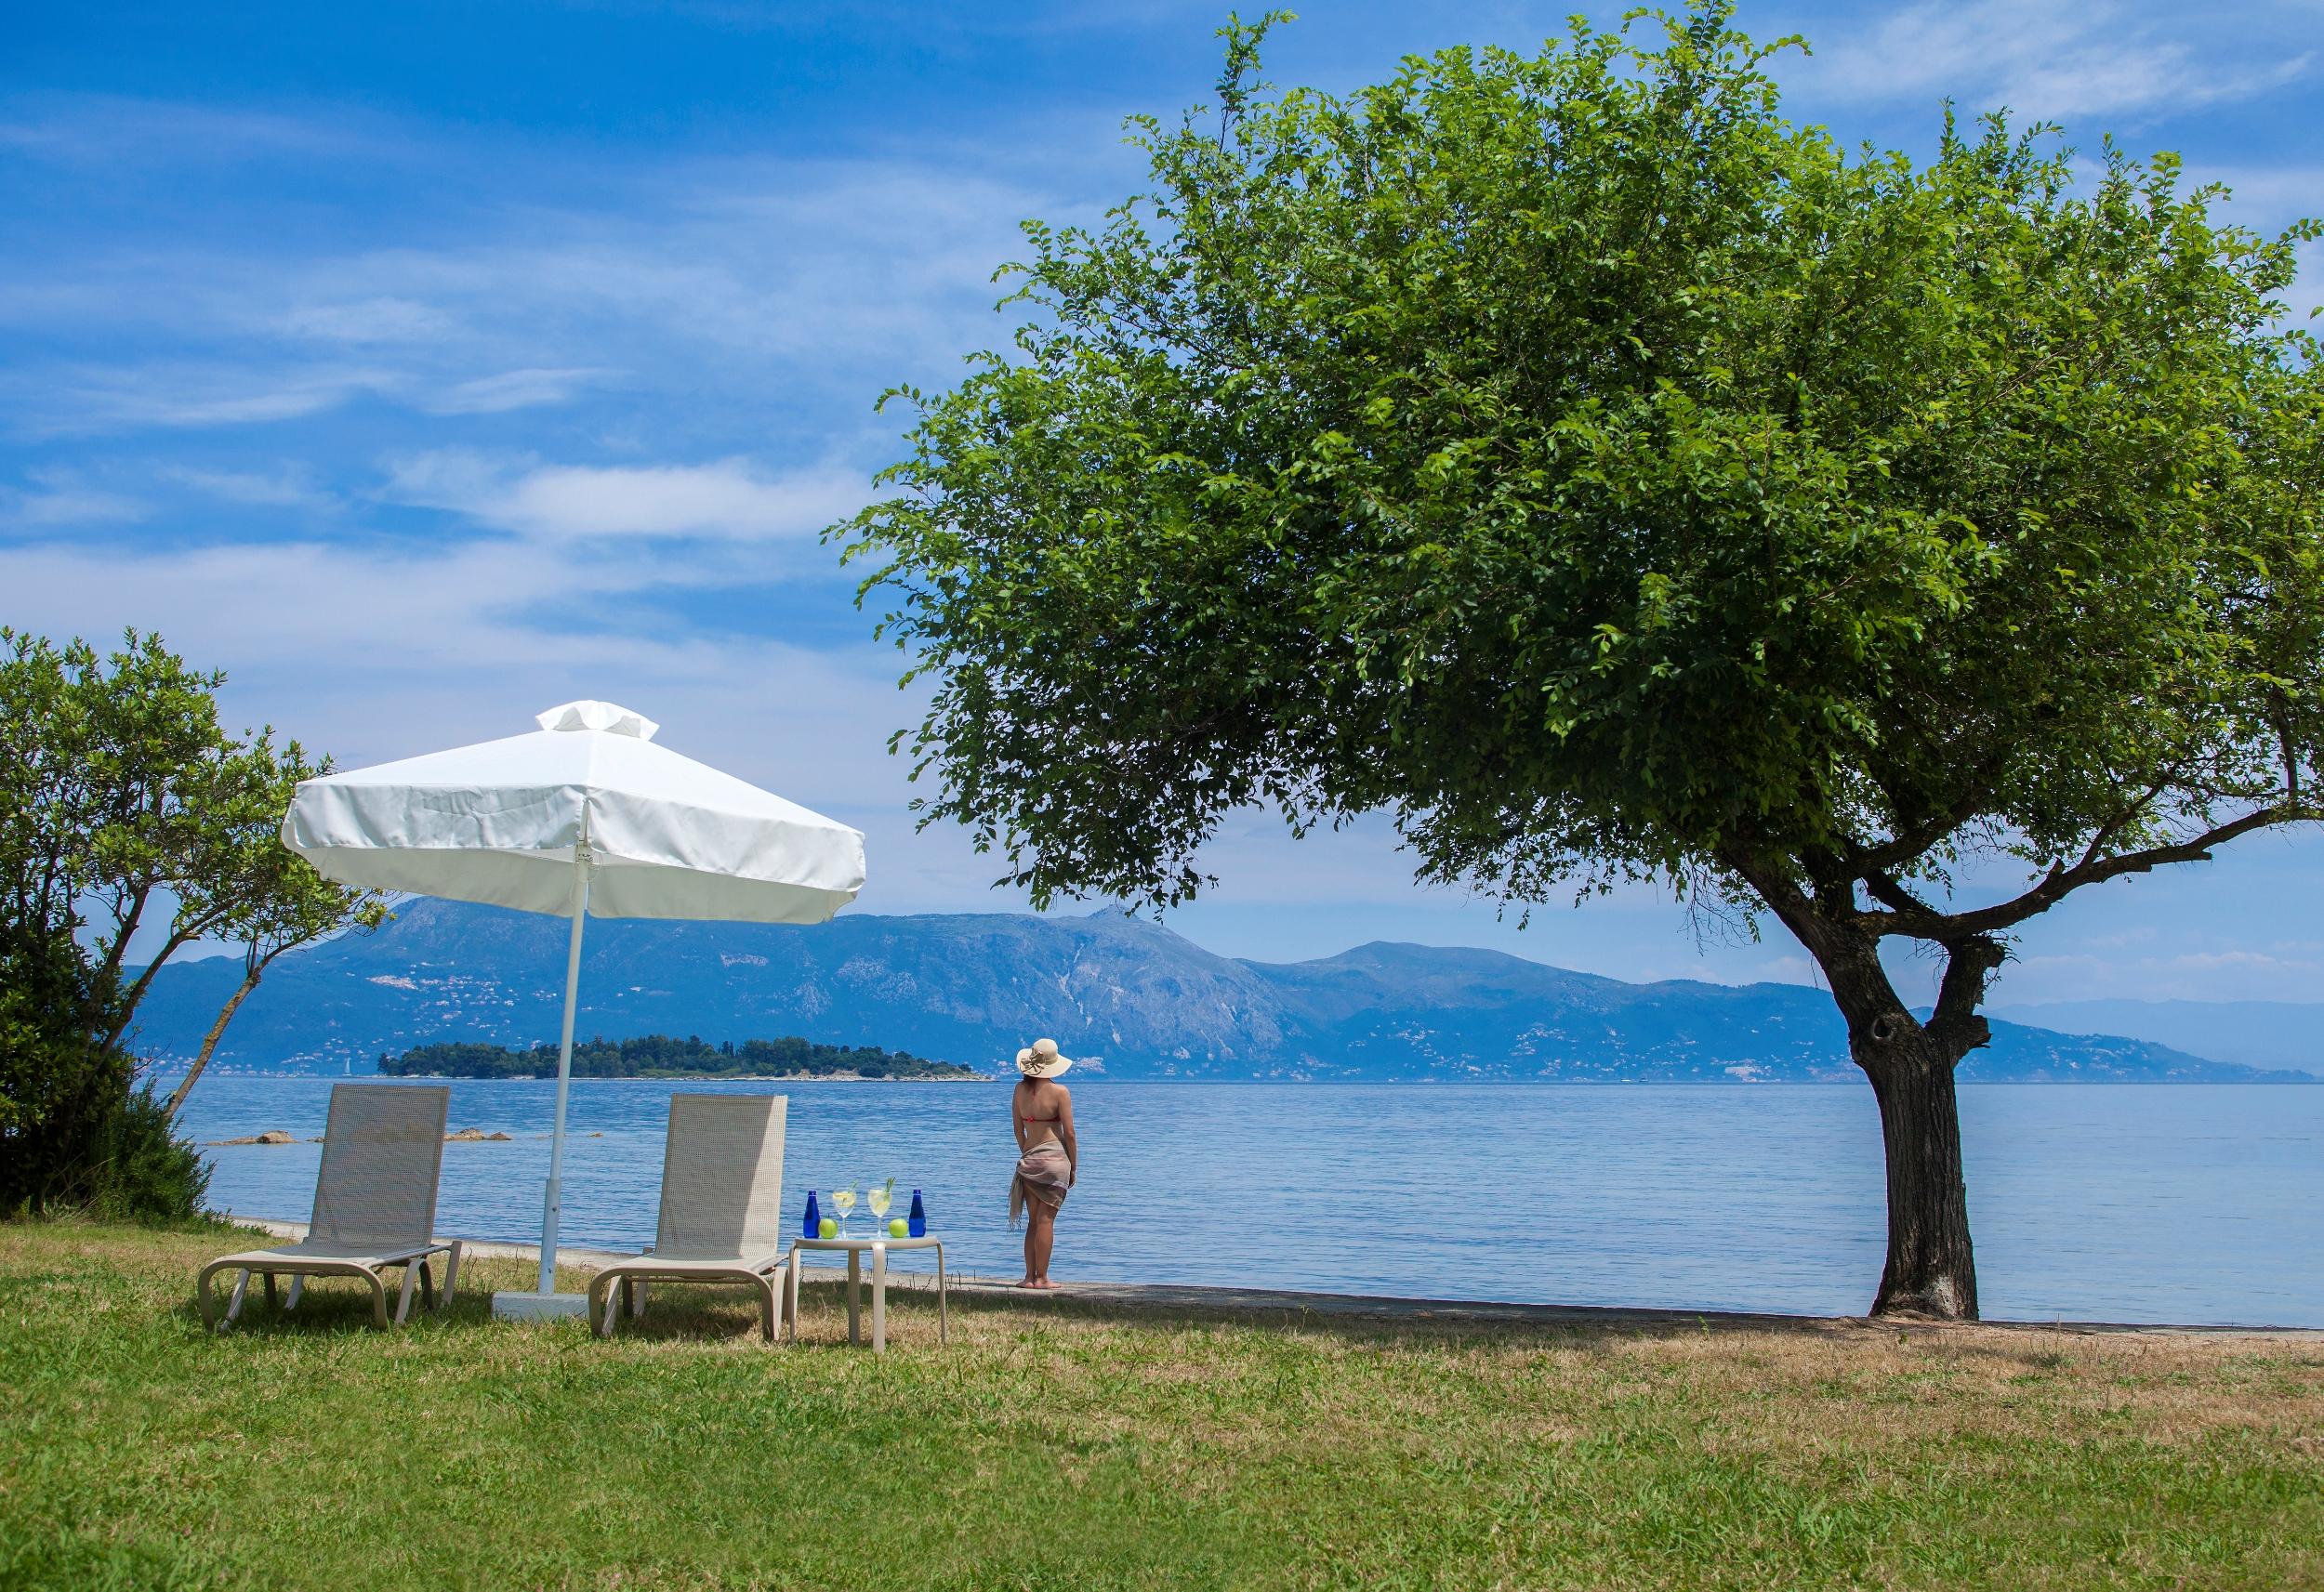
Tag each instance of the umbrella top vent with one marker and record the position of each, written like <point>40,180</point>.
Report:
<point>611,717</point>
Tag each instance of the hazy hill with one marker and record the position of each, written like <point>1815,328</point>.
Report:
<point>2257,1034</point>
<point>1129,998</point>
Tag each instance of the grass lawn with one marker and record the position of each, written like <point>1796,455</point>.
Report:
<point>1054,1446</point>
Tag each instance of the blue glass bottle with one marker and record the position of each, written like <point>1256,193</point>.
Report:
<point>918,1225</point>
<point>814,1228</point>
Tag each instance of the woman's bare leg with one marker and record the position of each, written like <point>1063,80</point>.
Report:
<point>1041,1237</point>
<point>1032,1226</point>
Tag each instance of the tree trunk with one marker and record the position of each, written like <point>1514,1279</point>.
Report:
<point>218,1031</point>
<point>1932,1270</point>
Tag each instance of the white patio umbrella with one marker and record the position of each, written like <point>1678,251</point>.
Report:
<point>584,817</point>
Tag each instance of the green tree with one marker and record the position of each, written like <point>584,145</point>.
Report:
<point>120,791</point>
<point>98,756</point>
<point>1612,480</point>
<point>106,758</point>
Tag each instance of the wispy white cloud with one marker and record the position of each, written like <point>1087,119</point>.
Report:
<point>727,498</point>
<point>178,395</point>
<point>60,498</point>
<point>373,651</point>
<point>515,389</point>
<point>2101,973</point>
<point>117,130</point>
<point>292,486</point>
<point>743,286</point>
<point>377,320</point>
<point>2049,61</point>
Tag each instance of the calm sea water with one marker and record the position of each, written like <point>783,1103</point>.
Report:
<point>2123,1202</point>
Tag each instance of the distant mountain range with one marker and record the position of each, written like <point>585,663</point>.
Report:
<point>2278,1034</point>
<point>1125,996</point>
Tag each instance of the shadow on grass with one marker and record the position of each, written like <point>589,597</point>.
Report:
<point>1390,1324</point>
<point>1385,1320</point>
<point>687,1313</point>
<point>329,1305</point>
<point>343,1303</point>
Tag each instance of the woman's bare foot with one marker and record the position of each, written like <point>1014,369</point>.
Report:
<point>1044,1282</point>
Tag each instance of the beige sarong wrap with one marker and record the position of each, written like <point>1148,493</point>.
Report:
<point>1042,1176</point>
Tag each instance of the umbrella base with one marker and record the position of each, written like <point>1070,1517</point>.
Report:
<point>516,1307</point>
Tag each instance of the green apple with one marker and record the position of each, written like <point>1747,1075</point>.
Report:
<point>828,1228</point>
<point>898,1227</point>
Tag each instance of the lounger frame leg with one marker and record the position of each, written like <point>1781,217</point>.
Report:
<point>943,1324</point>
<point>419,1274</point>
<point>613,1295</point>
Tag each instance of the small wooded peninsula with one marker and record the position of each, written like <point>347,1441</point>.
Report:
<point>658,1056</point>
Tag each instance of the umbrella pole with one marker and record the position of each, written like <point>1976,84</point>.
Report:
<point>551,1197</point>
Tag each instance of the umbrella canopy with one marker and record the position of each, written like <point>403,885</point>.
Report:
<point>504,820</point>
<point>584,817</point>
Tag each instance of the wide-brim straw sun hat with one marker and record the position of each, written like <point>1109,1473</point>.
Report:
<point>1042,1060</point>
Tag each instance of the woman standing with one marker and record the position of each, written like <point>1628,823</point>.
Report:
<point>1047,1155</point>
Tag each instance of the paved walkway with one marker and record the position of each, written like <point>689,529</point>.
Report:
<point>1288,1307</point>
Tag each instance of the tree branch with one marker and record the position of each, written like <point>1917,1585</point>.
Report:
<point>179,939</point>
<point>2120,820</point>
<point>1886,889</point>
<point>1836,937</point>
<point>1952,928</point>
<point>1969,967</point>
<point>124,928</point>
<point>1918,837</point>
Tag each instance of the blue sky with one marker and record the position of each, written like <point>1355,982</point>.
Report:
<point>425,364</point>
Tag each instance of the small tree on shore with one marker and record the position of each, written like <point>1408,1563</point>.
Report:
<point>1614,481</point>
<point>121,793</point>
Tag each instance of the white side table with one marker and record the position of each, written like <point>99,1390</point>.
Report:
<point>879,1248</point>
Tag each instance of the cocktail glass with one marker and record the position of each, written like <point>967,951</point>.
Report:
<point>879,1196</point>
<point>843,1202</point>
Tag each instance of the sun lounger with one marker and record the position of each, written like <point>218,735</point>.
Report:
<point>374,1204</point>
<point>721,1207</point>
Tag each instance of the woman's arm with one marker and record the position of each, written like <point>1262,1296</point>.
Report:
<point>1016,1115</point>
<point>1065,1133</point>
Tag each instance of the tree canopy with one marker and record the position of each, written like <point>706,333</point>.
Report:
<point>1609,478</point>
<point>122,795</point>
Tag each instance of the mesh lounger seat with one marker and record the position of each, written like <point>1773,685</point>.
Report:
<point>374,1204</point>
<point>721,1207</point>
